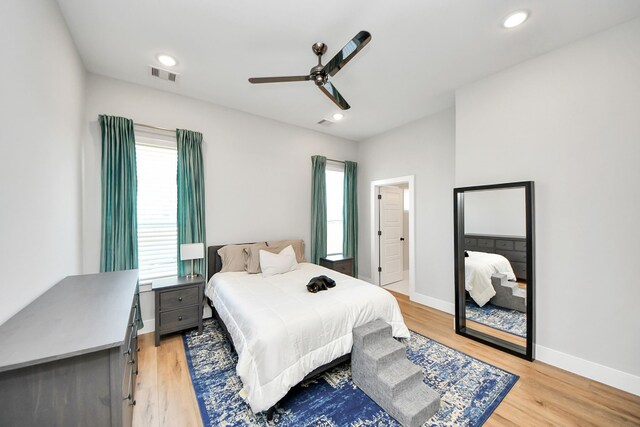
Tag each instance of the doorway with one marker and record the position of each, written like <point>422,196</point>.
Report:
<point>392,234</point>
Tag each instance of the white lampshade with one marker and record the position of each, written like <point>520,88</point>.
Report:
<point>191,251</point>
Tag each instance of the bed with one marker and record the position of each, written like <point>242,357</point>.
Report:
<point>284,334</point>
<point>479,267</point>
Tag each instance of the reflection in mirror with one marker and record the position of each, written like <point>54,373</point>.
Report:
<point>494,244</point>
<point>495,263</point>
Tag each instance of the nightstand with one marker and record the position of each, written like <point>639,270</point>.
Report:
<point>339,263</point>
<point>178,304</point>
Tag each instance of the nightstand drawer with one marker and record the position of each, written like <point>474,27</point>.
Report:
<point>338,263</point>
<point>344,267</point>
<point>179,298</point>
<point>180,318</point>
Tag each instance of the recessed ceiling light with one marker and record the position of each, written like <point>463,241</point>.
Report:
<point>516,18</point>
<point>338,116</point>
<point>167,60</point>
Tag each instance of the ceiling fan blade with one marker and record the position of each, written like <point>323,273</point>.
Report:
<point>279,79</point>
<point>347,53</point>
<point>334,95</point>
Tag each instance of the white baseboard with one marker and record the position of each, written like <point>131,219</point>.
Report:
<point>585,368</point>
<point>149,326</point>
<point>436,303</point>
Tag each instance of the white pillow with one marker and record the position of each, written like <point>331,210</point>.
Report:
<point>282,262</point>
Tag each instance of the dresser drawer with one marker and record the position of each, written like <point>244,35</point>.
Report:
<point>179,298</point>
<point>504,244</point>
<point>485,243</point>
<point>520,246</point>
<point>514,256</point>
<point>179,319</point>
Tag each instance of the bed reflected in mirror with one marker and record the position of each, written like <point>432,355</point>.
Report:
<point>494,264</point>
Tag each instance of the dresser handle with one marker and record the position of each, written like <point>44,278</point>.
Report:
<point>127,352</point>
<point>179,318</point>
<point>127,397</point>
<point>132,361</point>
<point>180,299</point>
<point>133,403</point>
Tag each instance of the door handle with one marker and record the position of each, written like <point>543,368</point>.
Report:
<point>402,239</point>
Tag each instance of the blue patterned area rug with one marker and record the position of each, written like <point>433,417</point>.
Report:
<point>470,389</point>
<point>503,319</point>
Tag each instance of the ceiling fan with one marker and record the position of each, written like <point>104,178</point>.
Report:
<point>320,73</point>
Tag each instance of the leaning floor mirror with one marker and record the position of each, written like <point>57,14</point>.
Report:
<point>495,266</point>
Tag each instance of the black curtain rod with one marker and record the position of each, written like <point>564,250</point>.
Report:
<point>336,161</point>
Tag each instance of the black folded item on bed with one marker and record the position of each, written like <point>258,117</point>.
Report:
<point>320,283</point>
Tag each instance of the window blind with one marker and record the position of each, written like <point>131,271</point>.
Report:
<point>157,211</point>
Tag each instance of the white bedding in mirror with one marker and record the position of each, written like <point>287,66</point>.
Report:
<point>282,332</point>
<point>478,269</point>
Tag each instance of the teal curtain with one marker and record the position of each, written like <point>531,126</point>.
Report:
<point>350,214</point>
<point>191,227</point>
<point>119,231</point>
<point>318,209</point>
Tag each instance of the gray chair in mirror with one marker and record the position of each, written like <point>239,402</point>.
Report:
<point>494,243</point>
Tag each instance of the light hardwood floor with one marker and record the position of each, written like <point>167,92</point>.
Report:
<point>543,395</point>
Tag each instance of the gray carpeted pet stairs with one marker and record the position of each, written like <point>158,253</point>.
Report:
<point>508,294</point>
<point>380,368</point>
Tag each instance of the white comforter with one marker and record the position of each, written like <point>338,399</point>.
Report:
<point>282,332</point>
<point>478,269</point>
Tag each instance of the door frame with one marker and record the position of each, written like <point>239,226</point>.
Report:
<point>373,232</point>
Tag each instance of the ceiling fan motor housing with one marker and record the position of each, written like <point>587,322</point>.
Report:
<point>319,77</point>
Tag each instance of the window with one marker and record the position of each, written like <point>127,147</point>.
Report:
<point>335,200</point>
<point>157,209</point>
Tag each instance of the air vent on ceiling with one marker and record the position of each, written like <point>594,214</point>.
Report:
<point>163,74</point>
<point>325,122</point>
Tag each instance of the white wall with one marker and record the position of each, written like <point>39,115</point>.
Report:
<point>496,212</point>
<point>570,121</point>
<point>424,148</point>
<point>257,171</point>
<point>42,89</point>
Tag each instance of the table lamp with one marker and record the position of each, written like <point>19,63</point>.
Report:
<point>191,251</point>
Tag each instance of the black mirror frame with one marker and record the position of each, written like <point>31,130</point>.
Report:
<point>527,352</point>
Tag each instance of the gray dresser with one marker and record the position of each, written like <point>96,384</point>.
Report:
<point>513,248</point>
<point>70,357</point>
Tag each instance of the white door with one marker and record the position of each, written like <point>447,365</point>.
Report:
<point>390,234</point>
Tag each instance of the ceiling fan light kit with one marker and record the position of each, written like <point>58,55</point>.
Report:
<point>320,73</point>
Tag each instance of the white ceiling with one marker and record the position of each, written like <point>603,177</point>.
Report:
<point>420,52</point>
